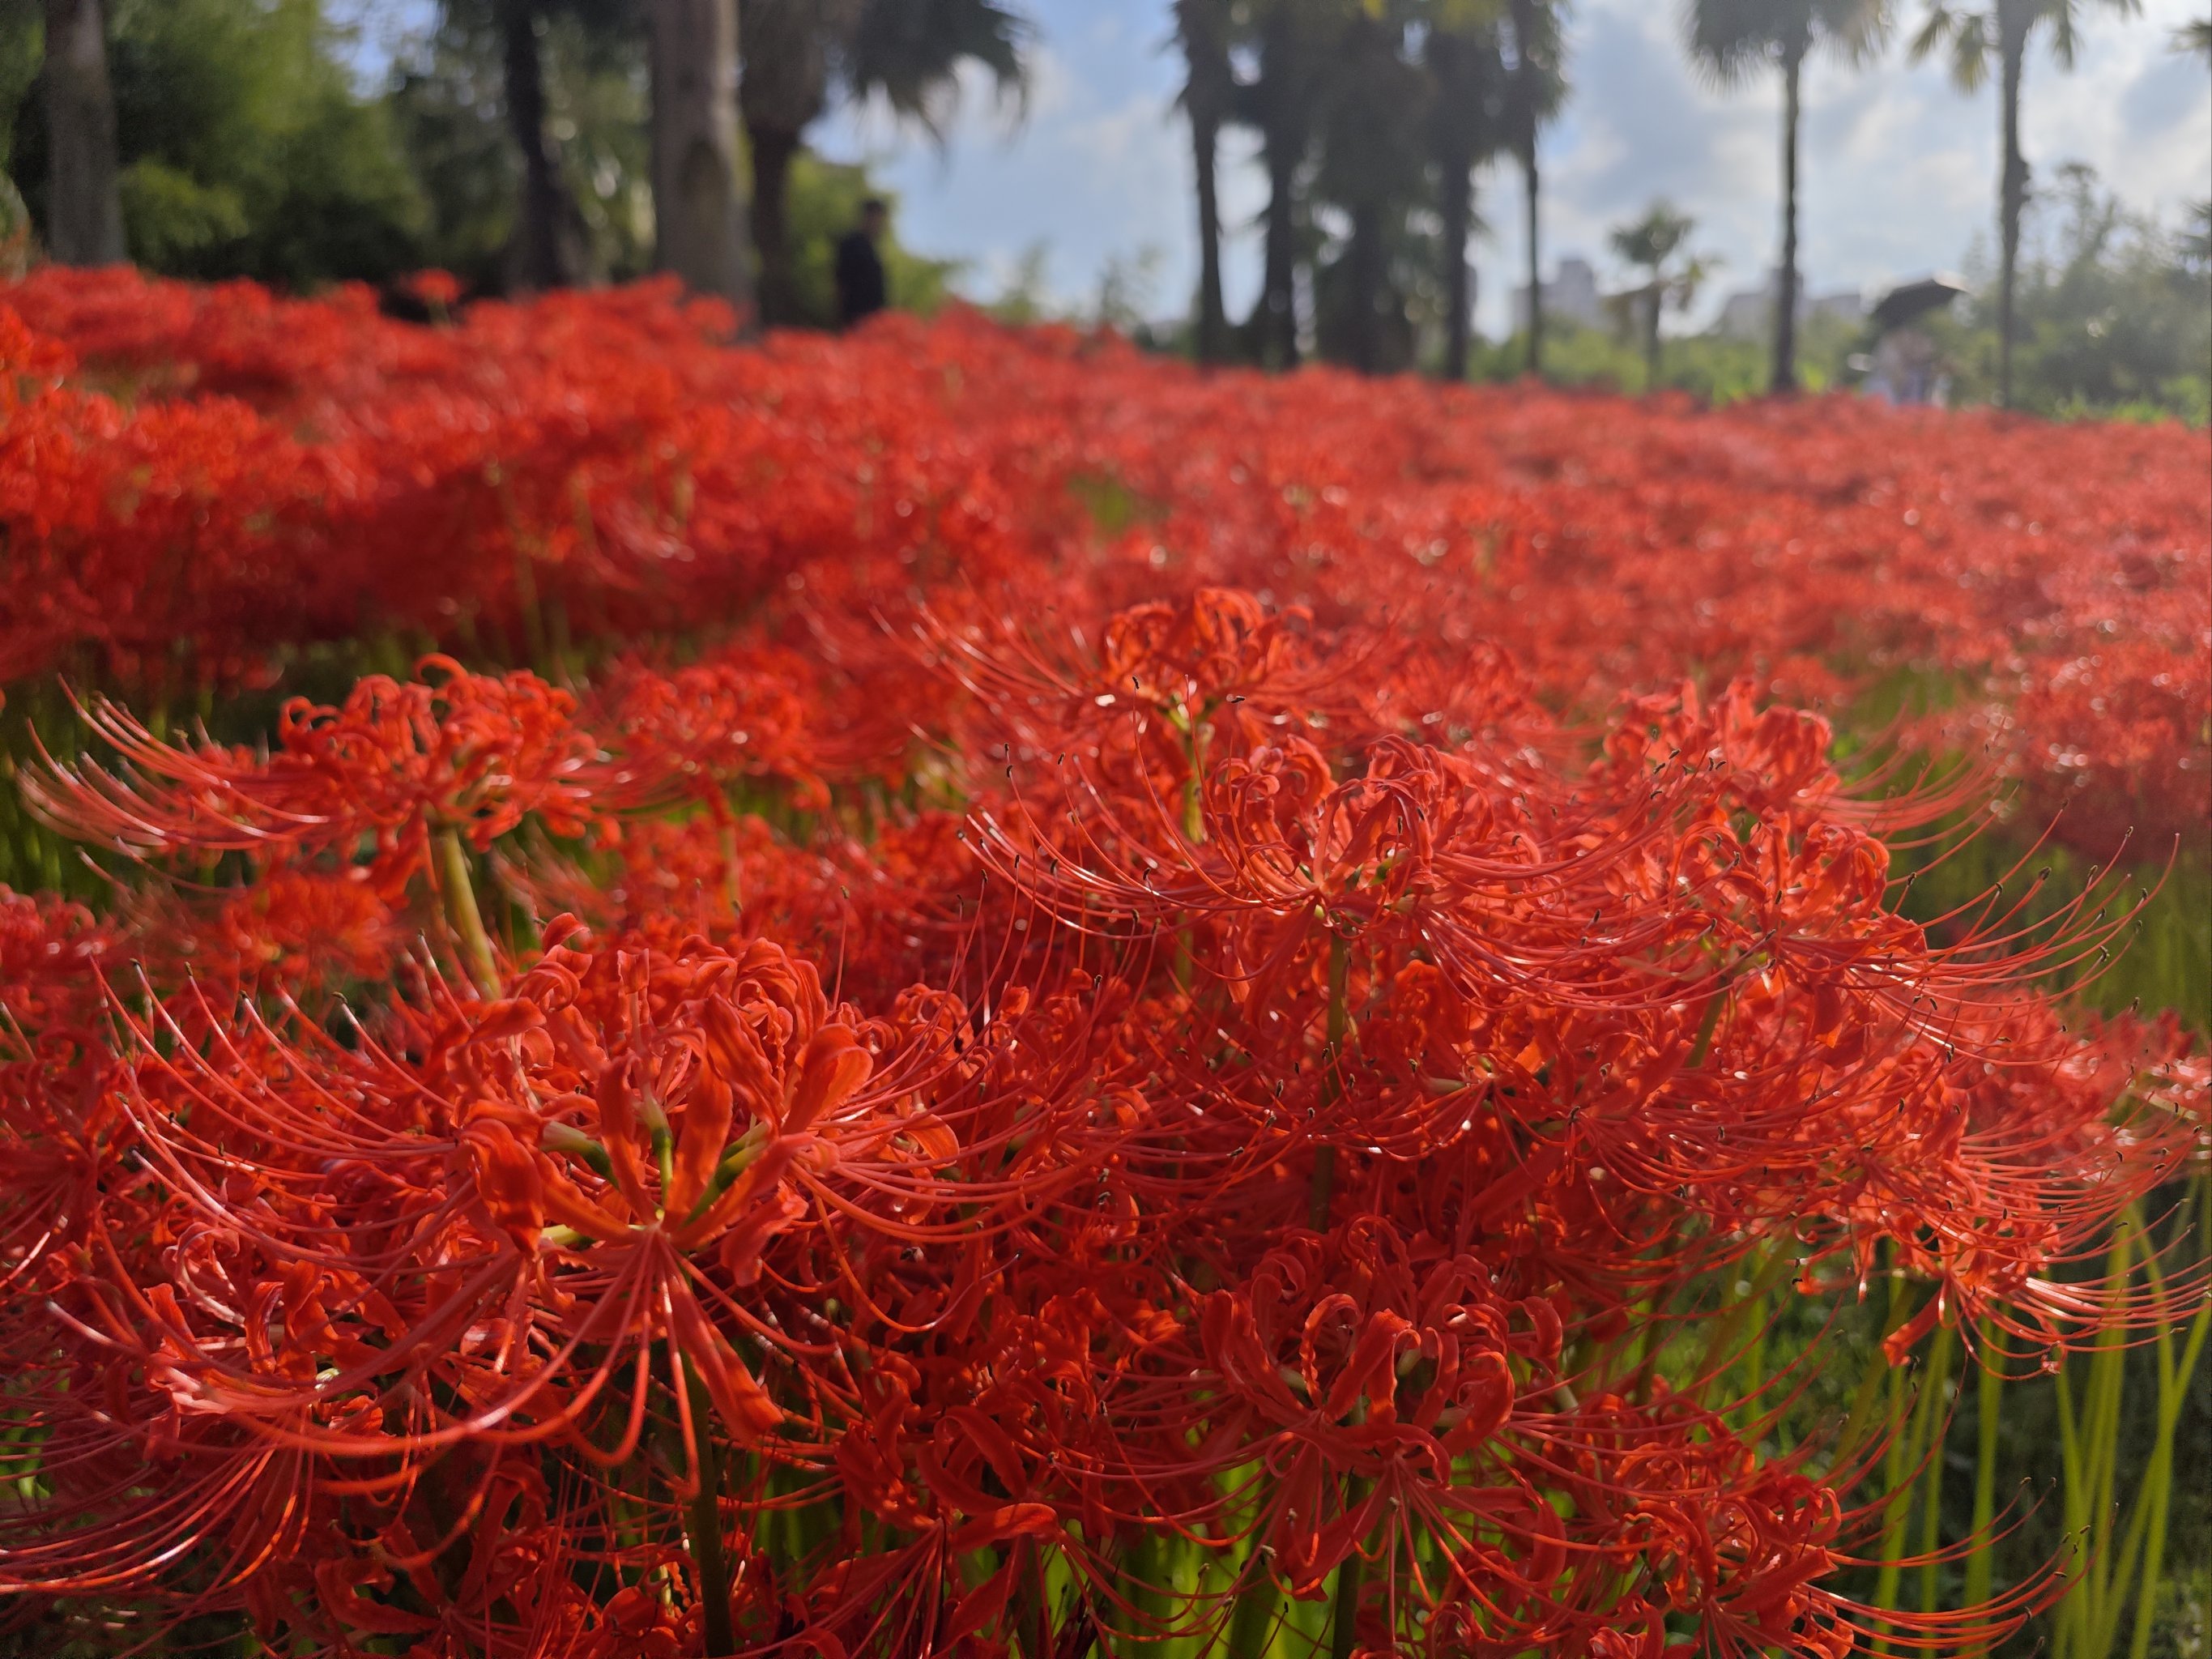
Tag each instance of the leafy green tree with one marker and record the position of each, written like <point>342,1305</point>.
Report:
<point>449,99</point>
<point>2112,313</point>
<point>1733,39</point>
<point>447,95</point>
<point>245,149</point>
<point>2000,33</point>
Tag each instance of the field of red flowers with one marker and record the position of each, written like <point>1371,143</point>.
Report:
<point>961,993</point>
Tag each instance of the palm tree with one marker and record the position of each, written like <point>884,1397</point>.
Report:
<point>1537,88</point>
<point>698,233</point>
<point>1209,95</point>
<point>1467,68</point>
<point>909,52</point>
<point>1294,37</point>
<point>84,210</point>
<point>1371,159</point>
<point>1731,40</point>
<point>1656,246</point>
<point>2003,31</point>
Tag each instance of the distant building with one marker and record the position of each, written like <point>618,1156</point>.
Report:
<point>1748,314</point>
<point>1570,296</point>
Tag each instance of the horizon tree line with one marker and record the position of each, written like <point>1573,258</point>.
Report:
<point>1375,121</point>
<point>734,87</point>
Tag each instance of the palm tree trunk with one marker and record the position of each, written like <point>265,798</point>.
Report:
<point>697,230</point>
<point>1366,273</point>
<point>1784,378</point>
<point>542,256</point>
<point>1536,281</point>
<point>1459,275</point>
<point>1208,87</point>
<point>1525,73</point>
<point>2012,190</point>
<point>1278,320</point>
<point>772,152</point>
<point>1212,320</point>
<point>1655,296</point>
<point>1283,134</point>
<point>84,212</point>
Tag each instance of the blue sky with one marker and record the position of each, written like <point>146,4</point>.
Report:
<point>1900,168</point>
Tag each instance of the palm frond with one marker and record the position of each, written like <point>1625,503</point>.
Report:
<point>910,54</point>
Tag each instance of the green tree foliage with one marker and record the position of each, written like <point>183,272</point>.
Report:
<point>1976,41</point>
<point>448,99</point>
<point>2112,313</point>
<point>249,149</point>
<point>246,149</point>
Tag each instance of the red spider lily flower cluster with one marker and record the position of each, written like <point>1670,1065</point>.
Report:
<point>192,481</point>
<point>1240,1085</point>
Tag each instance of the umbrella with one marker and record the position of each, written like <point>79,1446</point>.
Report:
<point>1910,301</point>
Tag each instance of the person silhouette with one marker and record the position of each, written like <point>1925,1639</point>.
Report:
<point>862,290</point>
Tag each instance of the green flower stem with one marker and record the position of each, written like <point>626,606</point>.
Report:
<point>1931,1516</point>
<point>458,893</point>
<point>702,1526</point>
<point>1340,1021</point>
<point>1344,1621</point>
<point>1980,1560</point>
<point>1252,1620</point>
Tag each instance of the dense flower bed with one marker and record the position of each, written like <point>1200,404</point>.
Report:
<point>1087,1005</point>
<point>258,470</point>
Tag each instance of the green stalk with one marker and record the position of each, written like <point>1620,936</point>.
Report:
<point>2100,1436</point>
<point>2174,1380</point>
<point>1899,1458</point>
<point>1931,1519</point>
<point>458,893</point>
<point>1340,1019</point>
<point>1149,1574</point>
<point>1980,1562</point>
<point>2072,1504</point>
<point>533,621</point>
<point>1252,1620</point>
<point>1755,1359</point>
<point>1344,1621</point>
<point>702,1526</point>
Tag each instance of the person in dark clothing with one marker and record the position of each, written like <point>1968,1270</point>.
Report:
<point>860,286</point>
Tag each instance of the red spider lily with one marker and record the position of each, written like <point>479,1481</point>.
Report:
<point>1320,1071</point>
<point>594,464</point>
<point>694,732</point>
<point>395,765</point>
